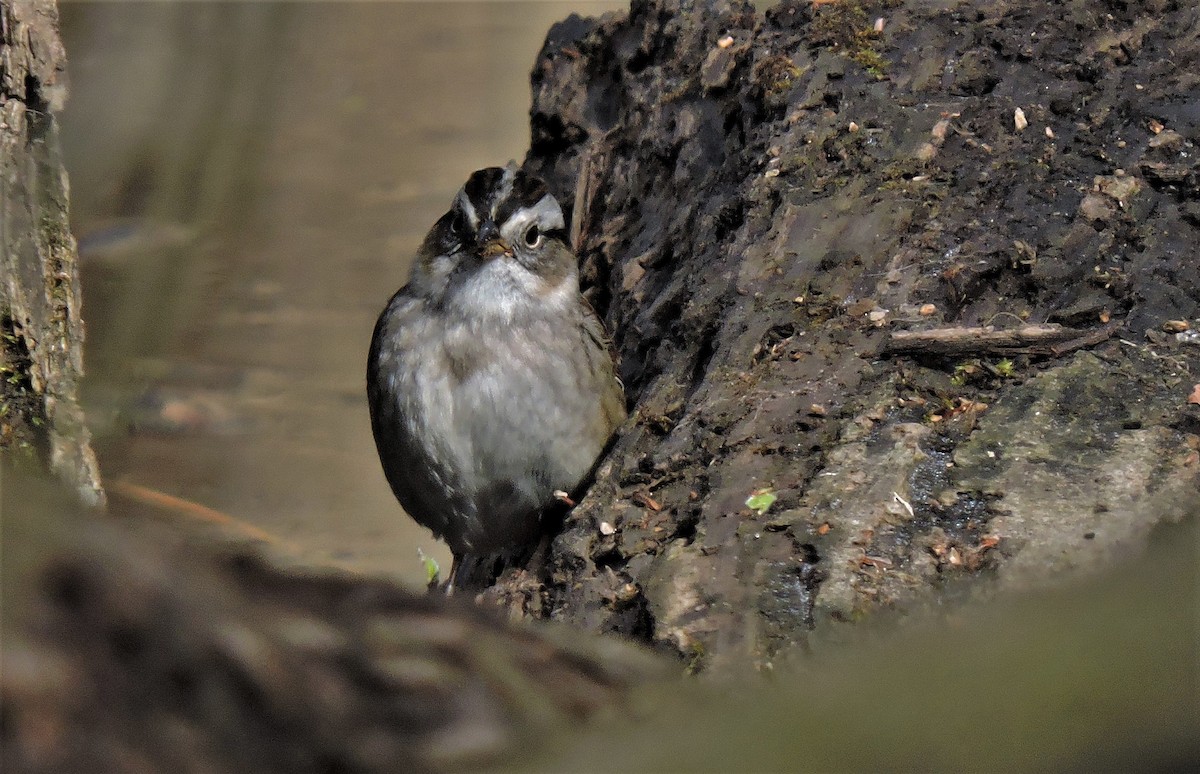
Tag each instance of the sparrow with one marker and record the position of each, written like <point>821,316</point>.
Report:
<point>490,379</point>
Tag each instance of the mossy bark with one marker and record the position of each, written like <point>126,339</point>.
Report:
<point>41,330</point>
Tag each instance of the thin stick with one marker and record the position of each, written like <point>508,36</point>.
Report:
<point>591,167</point>
<point>1091,338</point>
<point>195,511</point>
<point>1053,340</point>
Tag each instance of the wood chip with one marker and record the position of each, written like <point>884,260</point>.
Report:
<point>938,132</point>
<point>646,501</point>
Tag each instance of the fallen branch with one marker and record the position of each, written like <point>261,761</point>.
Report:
<point>1050,339</point>
<point>166,503</point>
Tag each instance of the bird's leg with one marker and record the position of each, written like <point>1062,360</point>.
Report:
<point>455,565</point>
<point>471,573</point>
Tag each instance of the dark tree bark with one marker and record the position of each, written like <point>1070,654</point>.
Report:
<point>763,199</point>
<point>41,351</point>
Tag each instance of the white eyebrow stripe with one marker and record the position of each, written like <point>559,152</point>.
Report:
<point>549,212</point>
<point>546,213</point>
<point>468,209</point>
<point>505,188</point>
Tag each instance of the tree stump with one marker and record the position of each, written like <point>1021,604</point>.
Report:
<point>765,202</point>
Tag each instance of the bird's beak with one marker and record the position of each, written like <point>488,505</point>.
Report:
<point>490,243</point>
<point>494,248</point>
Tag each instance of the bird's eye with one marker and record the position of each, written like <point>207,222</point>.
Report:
<point>533,236</point>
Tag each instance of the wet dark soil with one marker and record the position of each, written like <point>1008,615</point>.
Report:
<point>764,199</point>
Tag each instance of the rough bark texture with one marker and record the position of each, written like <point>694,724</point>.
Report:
<point>41,352</point>
<point>763,198</point>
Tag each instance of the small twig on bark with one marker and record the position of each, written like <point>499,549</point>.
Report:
<point>1052,340</point>
<point>591,168</point>
<point>1088,339</point>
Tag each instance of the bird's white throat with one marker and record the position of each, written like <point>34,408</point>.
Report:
<point>503,291</point>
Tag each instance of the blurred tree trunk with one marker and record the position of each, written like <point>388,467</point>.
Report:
<point>40,322</point>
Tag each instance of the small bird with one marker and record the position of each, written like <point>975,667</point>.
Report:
<point>490,380</point>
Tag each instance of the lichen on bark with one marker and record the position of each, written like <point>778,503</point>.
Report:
<point>41,328</point>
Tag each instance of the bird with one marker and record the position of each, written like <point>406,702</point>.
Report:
<point>491,381</point>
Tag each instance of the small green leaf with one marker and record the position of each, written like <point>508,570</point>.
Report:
<point>433,572</point>
<point>760,500</point>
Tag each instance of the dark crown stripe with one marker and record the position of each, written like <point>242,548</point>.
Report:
<point>481,187</point>
<point>526,192</point>
<point>493,196</point>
